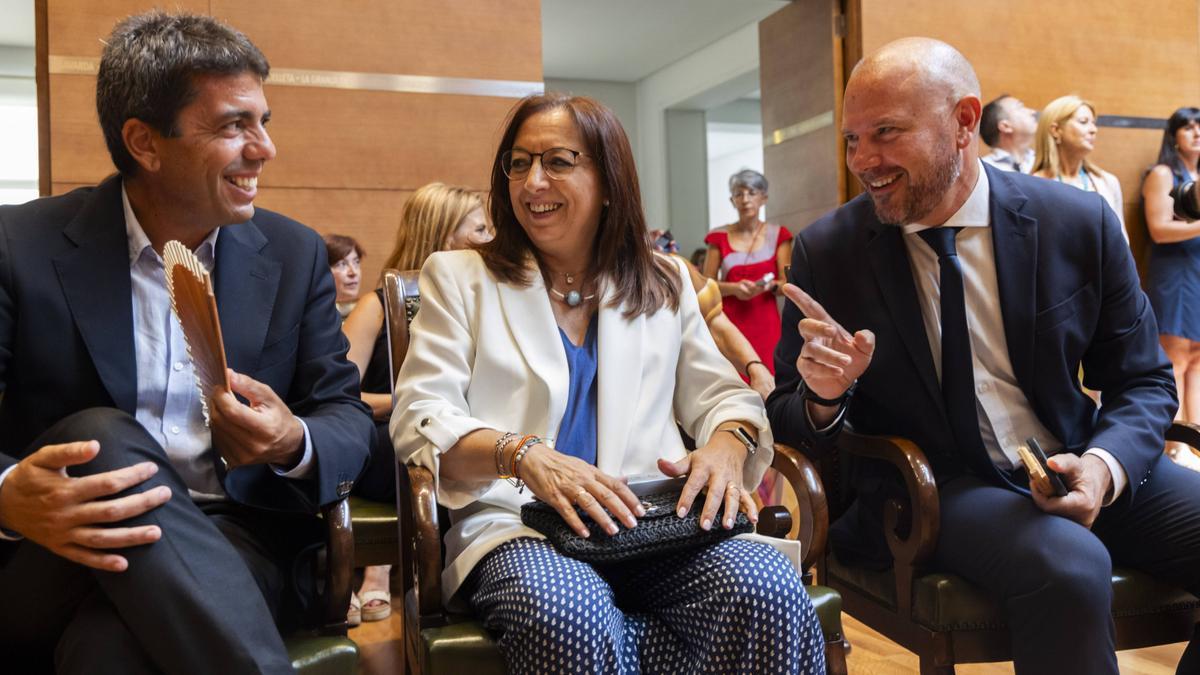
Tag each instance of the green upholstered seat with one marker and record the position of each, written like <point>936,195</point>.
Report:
<point>828,604</point>
<point>376,537</point>
<point>322,655</point>
<point>946,602</point>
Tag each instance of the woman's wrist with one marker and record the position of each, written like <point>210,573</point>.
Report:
<point>750,365</point>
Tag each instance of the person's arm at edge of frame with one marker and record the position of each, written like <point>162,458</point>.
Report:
<point>361,327</point>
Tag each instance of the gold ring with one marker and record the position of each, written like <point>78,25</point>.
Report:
<point>733,485</point>
<point>581,491</point>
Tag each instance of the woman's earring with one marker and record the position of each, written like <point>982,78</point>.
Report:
<point>605,203</point>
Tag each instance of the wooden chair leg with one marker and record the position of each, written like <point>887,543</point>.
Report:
<point>835,658</point>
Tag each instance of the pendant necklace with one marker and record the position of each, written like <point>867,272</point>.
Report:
<point>572,297</point>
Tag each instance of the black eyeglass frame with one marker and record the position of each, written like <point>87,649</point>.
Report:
<point>506,163</point>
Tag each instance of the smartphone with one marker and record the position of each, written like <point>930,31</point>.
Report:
<point>767,278</point>
<point>644,484</point>
<point>1039,470</point>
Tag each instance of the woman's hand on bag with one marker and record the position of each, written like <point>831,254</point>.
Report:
<point>564,482</point>
<point>717,468</point>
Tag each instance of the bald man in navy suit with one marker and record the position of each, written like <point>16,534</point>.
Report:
<point>954,304</point>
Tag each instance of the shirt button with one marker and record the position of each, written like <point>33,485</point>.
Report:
<point>174,429</point>
<point>985,387</point>
<point>178,366</point>
<point>425,422</point>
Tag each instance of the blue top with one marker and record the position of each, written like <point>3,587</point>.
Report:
<point>577,432</point>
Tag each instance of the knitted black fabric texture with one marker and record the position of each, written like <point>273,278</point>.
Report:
<point>659,532</point>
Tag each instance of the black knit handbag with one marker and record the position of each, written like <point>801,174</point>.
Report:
<point>659,532</point>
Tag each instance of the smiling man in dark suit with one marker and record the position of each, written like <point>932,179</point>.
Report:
<point>975,296</point>
<point>138,536</point>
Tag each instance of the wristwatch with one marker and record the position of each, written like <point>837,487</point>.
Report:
<point>746,439</point>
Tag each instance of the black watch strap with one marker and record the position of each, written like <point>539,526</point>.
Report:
<point>807,395</point>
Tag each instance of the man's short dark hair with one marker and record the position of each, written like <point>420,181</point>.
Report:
<point>149,67</point>
<point>989,121</point>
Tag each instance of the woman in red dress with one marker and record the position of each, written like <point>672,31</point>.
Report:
<point>747,258</point>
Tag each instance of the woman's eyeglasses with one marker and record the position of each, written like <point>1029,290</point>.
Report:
<point>558,163</point>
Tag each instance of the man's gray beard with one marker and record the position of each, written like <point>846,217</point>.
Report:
<point>923,196</point>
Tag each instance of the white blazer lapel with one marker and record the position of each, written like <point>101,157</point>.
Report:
<point>619,369</point>
<point>534,331</point>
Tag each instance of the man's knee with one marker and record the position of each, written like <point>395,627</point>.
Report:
<point>1074,573</point>
<point>123,440</point>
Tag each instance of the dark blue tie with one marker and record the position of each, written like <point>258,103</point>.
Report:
<point>958,370</point>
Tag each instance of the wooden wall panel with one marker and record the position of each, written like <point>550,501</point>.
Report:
<point>370,216</point>
<point>77,26</point>
<point>488,39</point>
<point>372,139</point>
<point>77,149</point>
<point>797,77</point>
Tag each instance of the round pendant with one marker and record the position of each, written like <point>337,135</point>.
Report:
<point>574,298</point>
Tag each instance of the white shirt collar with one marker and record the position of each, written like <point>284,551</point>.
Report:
<point>139,242</point>
<point>973,212</point>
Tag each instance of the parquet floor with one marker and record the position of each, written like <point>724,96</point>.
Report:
<point>871,654</point>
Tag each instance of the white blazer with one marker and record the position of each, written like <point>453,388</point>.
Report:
<point>487,354</point>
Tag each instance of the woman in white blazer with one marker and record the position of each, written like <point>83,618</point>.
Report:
<point>552,363</point>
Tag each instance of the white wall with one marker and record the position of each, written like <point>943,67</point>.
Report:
<point>18,126</point>
<point>731,148</point>
<point>725,70</point>
<point>620,96</point>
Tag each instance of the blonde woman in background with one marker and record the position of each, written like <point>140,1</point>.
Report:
<point>1066,135</point>
<point>437,217</point>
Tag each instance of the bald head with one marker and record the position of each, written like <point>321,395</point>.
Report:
<point>909,118</point>
<point>931,67</point>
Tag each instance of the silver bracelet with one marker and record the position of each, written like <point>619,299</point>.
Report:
<point>504,440</point>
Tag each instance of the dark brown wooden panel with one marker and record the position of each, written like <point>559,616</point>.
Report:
<point>798,76</point>
<point>803,174</point>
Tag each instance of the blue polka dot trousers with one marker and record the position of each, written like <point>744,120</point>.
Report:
<point>732,607</point>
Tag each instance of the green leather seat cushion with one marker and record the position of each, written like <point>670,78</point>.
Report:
<point>374,522</point>
<point>322,655</point>
<point>945,602</point>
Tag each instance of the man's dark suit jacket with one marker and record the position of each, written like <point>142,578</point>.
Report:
<point>67,343</point>
<point>1069,295</point>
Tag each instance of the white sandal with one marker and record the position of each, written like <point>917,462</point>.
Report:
<point>377,612</point>
<point>354,614</point>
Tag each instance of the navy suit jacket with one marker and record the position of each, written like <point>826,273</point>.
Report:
<point>1069,296</point>
<point>67,343</point>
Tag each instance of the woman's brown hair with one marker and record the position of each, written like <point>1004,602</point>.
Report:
<point>621,255</point>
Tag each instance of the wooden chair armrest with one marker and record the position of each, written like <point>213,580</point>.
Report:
<point>1184,432</point>
<point>911,527</point>
<point>339,566</point>
<point>805,480</point>
<point>425,546</point>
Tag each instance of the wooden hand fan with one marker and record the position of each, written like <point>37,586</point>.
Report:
<point>190,287</point>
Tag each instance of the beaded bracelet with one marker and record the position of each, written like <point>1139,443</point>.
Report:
<point>507,474</point>
<point>522,448</point>
<point>501,443</point>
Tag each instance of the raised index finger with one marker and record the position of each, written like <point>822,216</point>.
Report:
<point>812,309</point>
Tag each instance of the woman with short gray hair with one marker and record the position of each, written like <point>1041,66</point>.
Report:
<point>747,258</point>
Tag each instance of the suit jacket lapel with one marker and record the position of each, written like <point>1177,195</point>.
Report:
<point>535,332</point>
<point>96,284</point>
<point>1014,239</point>
<point>889,261</point>
<point>245,283</point>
